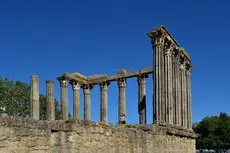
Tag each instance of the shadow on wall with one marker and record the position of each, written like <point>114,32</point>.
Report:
<point>210,151</point>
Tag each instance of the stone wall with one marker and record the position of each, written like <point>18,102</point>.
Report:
<point>24,135</point>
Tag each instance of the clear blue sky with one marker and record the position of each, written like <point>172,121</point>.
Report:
<point>91,37</point>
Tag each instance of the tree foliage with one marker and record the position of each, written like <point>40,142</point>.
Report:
<point>15,99</point>
<point>214,132</point>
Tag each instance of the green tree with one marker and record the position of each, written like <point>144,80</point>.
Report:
<point>15,99</point>
<point>214,133</point>
<point>223,131</point>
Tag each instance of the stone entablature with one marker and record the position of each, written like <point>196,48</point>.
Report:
<point>161,36</point>
<point>100,78</point>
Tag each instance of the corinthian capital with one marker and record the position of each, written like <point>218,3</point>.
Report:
<point>169,48</point>
<point>104,85</point>
<point>142,78</point>
<point>175,53</point>
<point>188,67</point>
<point>87,89</point>
<point>182,67</point>
<point>157,37</point>
<point>75,85</point>
<point>181,61</point>
<point>121,82</point>
<point>64,83</point>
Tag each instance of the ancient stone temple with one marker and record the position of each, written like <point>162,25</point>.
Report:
<point>170,131</point>
<point>172,89</point>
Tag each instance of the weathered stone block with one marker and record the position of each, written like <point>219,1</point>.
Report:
<point>91,137</point>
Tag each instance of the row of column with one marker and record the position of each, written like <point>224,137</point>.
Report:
<point>182,88</point>
<point>35,104</point>
<point>172,89</point>
<point>76,86</point>
<point>103,100</point>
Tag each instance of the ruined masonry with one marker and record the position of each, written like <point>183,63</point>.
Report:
<point>171,131</point>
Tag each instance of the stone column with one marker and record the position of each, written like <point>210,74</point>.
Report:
<point>122,101</point>
<point>163,86</point>
<point>87,102</point>
<point>176,106</point>
<point>50,100</point>
<point>104,102</point>
<point>34,95</point>
<point>188,77</point>
<point>174,89</point>
<point>185,98</point>
<point>142,98</point>
<point>157,39</point>
<point>190,102</point>
<point>185,102</point>
<point>76,99</point>
<point>157,84</point>
<point>64,99</point>
<point>178,92</point>
<point>168,83</point>
<point>183,91</point>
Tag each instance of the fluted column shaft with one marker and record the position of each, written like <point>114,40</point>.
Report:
<point>168,86</point>
<point>64,99</point>
<point>178,93</point>
<point>50,100</point>
<point>104,102</point>
<point>183,97</point>
<point>87,102</point>
<point>142,99</point>
<point>157,39</point>
<point>158,84</point>
<point>163,85</point>
<point>122,101</point>
<point>185,101</point>
<point>189,97</point>
<point>190,105</point>
<point>34,95</point>
<point>76,100</point>
<point>174,91</point>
